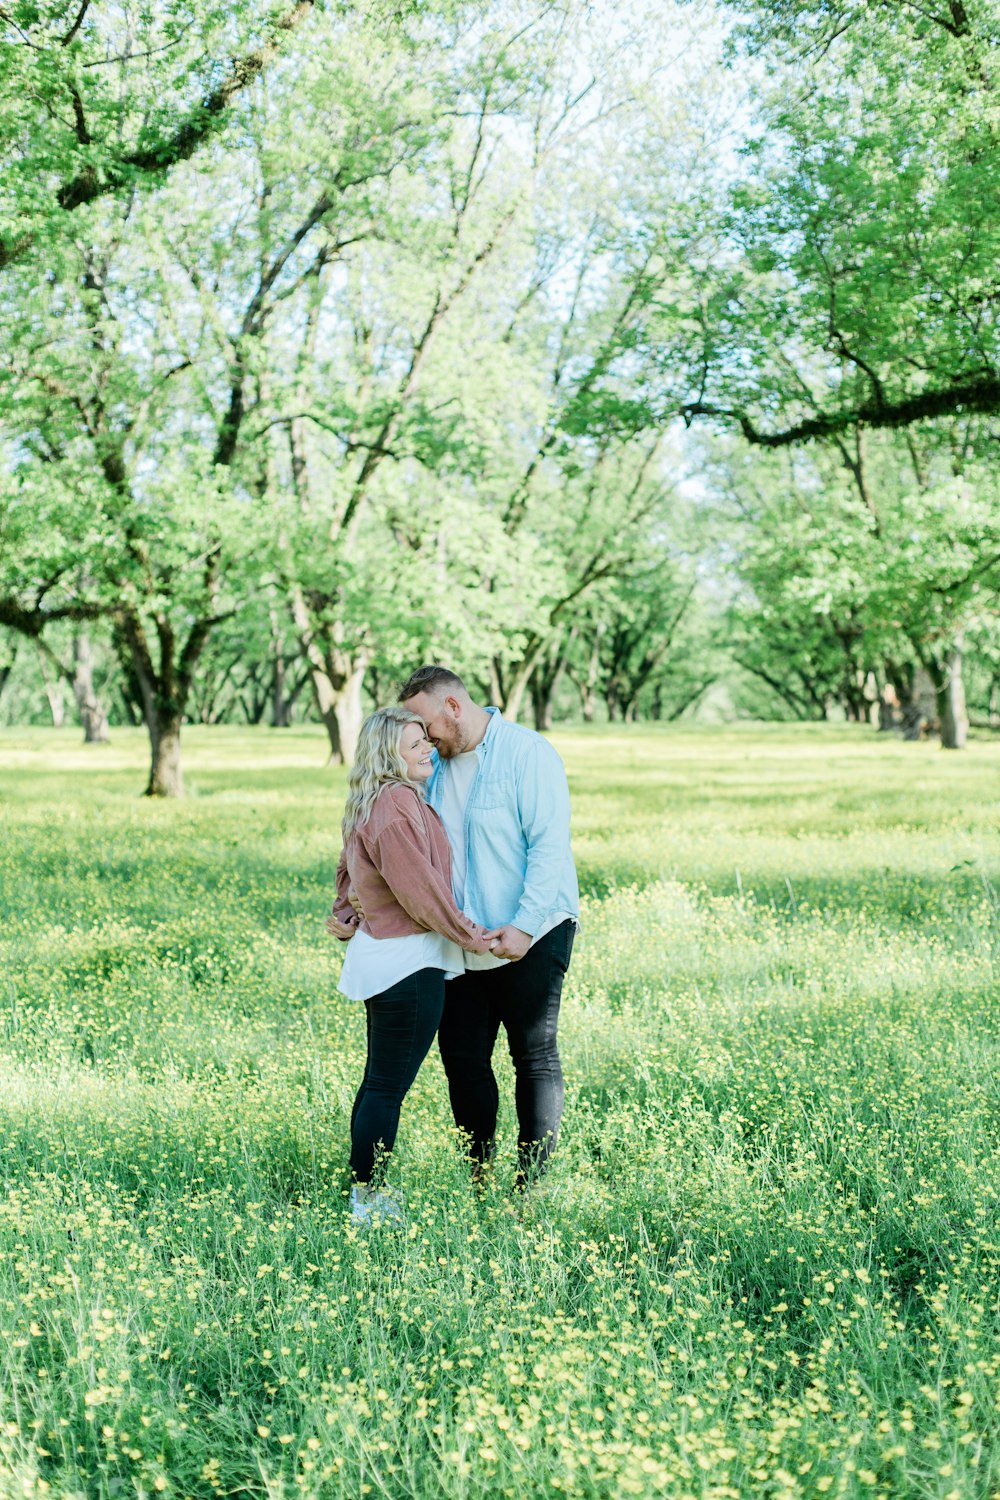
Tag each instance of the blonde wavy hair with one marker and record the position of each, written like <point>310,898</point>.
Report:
<point>377,761</point>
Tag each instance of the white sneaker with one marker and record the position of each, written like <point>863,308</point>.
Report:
<point>375,1206</point>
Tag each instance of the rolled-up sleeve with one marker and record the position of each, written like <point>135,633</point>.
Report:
<point>342,908</point>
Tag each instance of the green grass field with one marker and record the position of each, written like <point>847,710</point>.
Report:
<point>765,1261</point>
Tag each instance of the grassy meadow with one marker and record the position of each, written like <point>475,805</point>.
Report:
<point>765,1261</point>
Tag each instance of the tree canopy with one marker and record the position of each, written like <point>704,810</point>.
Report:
<point>865,235</point>
<point>605,357</point>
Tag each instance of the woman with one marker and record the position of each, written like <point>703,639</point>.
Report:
<point>396,863</point>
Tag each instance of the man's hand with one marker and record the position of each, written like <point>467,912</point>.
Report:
<point>510,942</point>
<point>338,929</point>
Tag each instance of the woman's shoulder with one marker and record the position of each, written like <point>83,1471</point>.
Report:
<point>398,794</point>
<point>396,800</point>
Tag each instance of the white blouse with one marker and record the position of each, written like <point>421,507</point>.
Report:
<point>373,965</point>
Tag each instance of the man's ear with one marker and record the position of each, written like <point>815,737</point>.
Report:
<point>455,707</point>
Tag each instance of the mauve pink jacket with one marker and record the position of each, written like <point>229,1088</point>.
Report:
<point>399,863</point>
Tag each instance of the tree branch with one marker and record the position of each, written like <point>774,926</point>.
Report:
<point>32,620</point>
<point>196,128</point>
<point>974,393</point>
<point>65,40</point>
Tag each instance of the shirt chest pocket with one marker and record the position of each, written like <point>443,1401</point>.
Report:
<point>490,793</point>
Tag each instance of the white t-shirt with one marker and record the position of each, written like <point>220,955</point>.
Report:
<point>372,964</point>
<point>457,774</point>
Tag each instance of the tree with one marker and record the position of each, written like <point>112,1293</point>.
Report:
<point>96,102</point>
<point>97,458</point>
<point>861,284</point>
<point>259,375</point>
<point>128,424</point>
<point>844,585</point>
<point>368,394</point>
<point>491,223</point>
<point>594,522</point>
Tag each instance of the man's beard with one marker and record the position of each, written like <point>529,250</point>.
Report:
<point>458,746</point>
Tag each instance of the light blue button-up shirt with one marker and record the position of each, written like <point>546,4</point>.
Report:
<point>517,845</point>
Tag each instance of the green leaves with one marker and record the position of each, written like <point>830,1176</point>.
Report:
<point>864,232</point>
<point>837,584</point>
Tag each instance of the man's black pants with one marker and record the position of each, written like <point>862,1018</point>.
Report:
<point>523,998</point>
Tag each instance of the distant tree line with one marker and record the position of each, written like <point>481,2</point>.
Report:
<point>336,338</point>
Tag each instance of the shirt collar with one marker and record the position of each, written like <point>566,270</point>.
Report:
<point>496,719</point>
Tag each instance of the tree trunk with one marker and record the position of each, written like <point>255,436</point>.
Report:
<point>281,708</point>
<point>517,682</point>
<point>280,712</point>
<point>545,680</point>
<point>588,688</point>
<point>903,681</point>
<point>855,702</point>
<point>336,670</point>
<point>512,704</point>
<point>261,694</point>
<point>92,714</point>
<point>913,719</point>
<point>293,693</point>
<point>543,713</point>
<point>542,696</point>
<point>921,716</point>
<point>338,698</point>
<point>951,701</point>
<point>129,685</point>
<point>515,694</point>
<point>57,703</point>
<point>130,709</point>
<point>995,703</point>
<point>165,778</point>
<point>7,667</point>
<point>164,698</point>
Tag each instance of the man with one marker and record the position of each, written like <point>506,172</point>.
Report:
<point>501,792</point>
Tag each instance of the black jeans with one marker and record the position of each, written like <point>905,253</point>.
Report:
<point>401,1026</point>
<point>523,998</point>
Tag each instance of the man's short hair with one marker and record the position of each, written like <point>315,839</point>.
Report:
<point>430,680</point>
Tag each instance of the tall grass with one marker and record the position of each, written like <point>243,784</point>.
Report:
<point>764,1262</point>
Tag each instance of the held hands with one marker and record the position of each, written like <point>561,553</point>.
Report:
<point>505,942</point>
<point>510,942</point>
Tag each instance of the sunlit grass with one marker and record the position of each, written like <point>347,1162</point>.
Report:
<point>765,1260</point>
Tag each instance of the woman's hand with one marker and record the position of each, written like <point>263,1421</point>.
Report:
<point>341,930</point>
